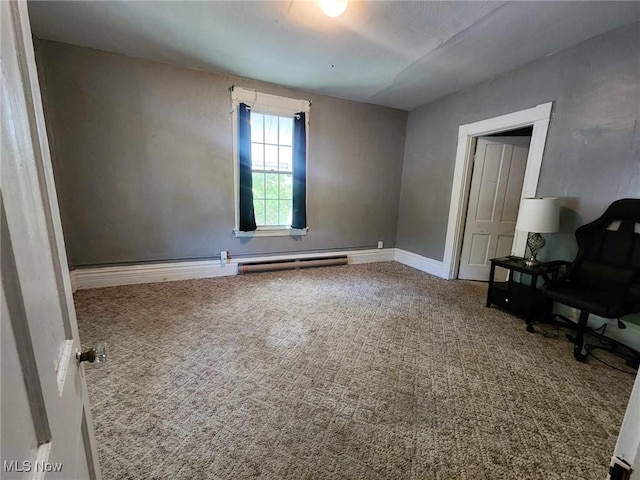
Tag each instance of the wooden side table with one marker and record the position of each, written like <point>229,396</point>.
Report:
<point>521,299</point>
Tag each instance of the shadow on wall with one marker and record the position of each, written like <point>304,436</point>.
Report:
<point>562,245</point>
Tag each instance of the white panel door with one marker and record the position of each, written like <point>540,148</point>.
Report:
<point>46,422</point>
<point>494,198</point>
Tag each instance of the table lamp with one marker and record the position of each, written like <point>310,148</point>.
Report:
<point>536,216</point>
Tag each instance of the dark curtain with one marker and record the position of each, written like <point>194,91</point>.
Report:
<point>247,215</point>
<point>299,216</point>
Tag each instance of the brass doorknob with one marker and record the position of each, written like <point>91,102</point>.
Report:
<point>97,354</point>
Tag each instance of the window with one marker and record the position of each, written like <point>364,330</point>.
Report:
<point>272,168</point>
<point>270,138</point>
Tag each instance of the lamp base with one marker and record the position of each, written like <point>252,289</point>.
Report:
<point>535,242</point>
<point>532,262</point>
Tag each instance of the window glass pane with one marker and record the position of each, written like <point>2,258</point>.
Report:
<point>271,129</point>
<point>257,156</point>
<point>286,159</point>
<point>257,125</point>
<point>271,212</point>
<point>285,212</point>
<point>271,157</point>
<point>271,185</point>
<point>258,208</point>
<point>286,186</point>
<point>286,131</point>
<point>258,185</point>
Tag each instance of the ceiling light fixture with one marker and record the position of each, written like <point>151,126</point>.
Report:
<point>333,8</point>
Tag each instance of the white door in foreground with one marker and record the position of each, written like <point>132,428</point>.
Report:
<point>494,197</point>
<point>627,452</point>
<point>46,422</point>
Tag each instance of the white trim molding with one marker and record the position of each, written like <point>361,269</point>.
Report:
<point>372,256</point>
<point>628,444</point>
<point>277,231</point>
<point>98,277</point>
<point>538,117</point>
<point>424,264</point>
<point>272,103</point>
<point>74,282</point>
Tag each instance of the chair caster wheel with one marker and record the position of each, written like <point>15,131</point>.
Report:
<point>530,329</point>
<point>580,357</point>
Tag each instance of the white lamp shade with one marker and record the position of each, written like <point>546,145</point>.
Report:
<point>539,215</point>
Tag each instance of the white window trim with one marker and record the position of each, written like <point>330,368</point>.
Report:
<point>273,231</point>
<point>270,104</point>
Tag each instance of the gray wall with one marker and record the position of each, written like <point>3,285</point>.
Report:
<point>142,153</point>
<point>143,163</point>
<point>592,155</point>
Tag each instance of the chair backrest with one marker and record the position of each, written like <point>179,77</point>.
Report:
<point>609,250</point>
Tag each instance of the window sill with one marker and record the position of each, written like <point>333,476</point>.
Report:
<point>272,232</point>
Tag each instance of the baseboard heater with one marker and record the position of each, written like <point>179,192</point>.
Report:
<point>291,264</point>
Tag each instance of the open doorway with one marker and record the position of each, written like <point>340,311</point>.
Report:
<point>499,165</point>
<point>537,117</point>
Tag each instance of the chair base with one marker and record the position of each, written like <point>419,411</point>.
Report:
<point>555,319</point>
<point>581,357</point>
<point>581,349</point>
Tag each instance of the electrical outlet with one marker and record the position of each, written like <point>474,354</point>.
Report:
<point>224,255</point>
<point>380,244</point>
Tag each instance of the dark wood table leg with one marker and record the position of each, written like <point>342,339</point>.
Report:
<point>531,302</point>
<point>492,274</point>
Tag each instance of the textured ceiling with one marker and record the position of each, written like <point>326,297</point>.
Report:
<point>392,53</point>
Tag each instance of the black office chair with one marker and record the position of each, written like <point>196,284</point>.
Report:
<point>604,278</point>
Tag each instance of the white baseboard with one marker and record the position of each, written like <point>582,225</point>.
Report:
<point>73,281</point>
<point>97,277</point>
<point>428,265</point>
<point>372,256</point>
<point>84,278</point>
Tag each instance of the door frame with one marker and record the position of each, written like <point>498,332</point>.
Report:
<point>538,117</point>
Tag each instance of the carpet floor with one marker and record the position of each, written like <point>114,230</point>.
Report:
<point>374,371</point>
